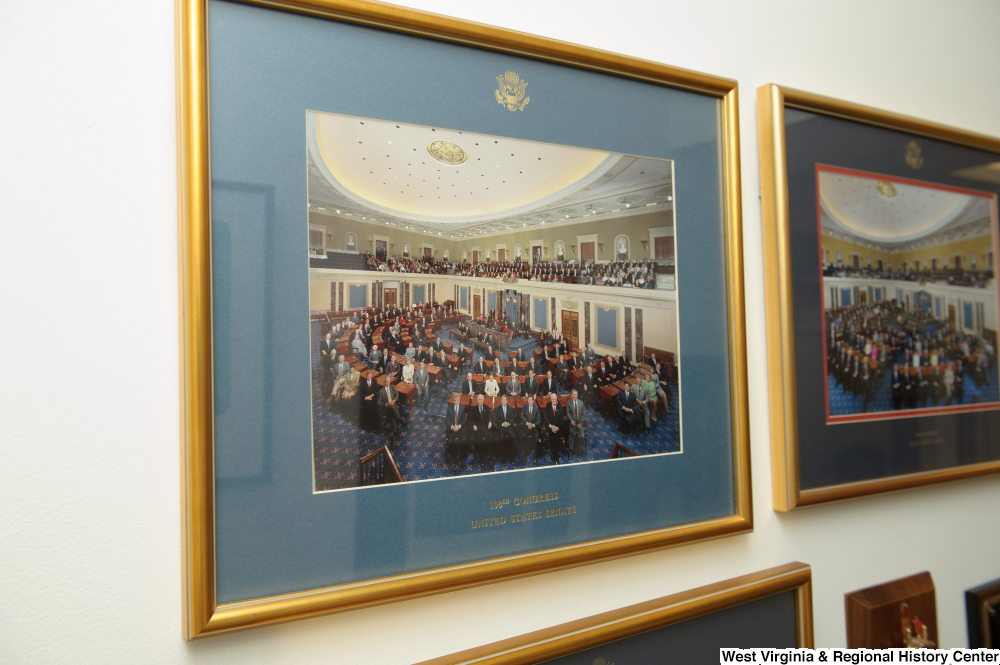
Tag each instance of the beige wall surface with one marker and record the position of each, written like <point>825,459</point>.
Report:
<point>89,463</point>
<point>636,227</point>
<point>965,248</point>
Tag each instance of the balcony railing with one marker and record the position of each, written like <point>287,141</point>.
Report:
<point>621,451</point>
<point>378,468</point>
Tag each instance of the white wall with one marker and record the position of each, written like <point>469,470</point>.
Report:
<point>90,534</point>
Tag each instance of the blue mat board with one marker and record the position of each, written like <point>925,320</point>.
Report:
<point>274,534</point>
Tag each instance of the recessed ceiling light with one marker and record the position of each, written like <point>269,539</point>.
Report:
<point>338,212</point>
<point>670,198</point>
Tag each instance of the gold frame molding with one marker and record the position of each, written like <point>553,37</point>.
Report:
<point>203,616</point>
<point>771,102</point>
<point>593,631</point>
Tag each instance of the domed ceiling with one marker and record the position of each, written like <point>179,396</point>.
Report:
<point>447,182</point>
<point>897,216</point>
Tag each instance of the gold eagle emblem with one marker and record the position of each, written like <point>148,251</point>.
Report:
<point>510,91</point>
<point>913,157</point>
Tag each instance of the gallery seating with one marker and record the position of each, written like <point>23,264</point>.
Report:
<point>340,261</point>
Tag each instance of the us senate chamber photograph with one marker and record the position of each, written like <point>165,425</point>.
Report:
<point>909,296</point>
<point>481,304</point>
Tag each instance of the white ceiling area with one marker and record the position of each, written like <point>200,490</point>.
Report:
<point>459,184</point>
<point>898,216</point>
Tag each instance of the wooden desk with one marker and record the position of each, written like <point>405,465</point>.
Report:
<point>406,391</point>
<point>608,395</point>
<point>576,376</point>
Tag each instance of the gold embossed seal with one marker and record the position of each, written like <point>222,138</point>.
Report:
<point>447,152</point>
<point>510,91</point>
<point>913,157</point>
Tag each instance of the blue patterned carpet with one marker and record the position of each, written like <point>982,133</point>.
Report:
<point>419,450</point>
<point>843,402</point>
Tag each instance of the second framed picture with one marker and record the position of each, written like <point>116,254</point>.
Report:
<point>881,241</point>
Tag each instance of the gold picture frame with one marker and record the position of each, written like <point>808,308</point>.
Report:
<point>772,100</point>
<point>203,615</point>
<point>601,629</point>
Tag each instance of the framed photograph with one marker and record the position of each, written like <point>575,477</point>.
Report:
<point>768,609</point>
<point>432,314</point>
<point>982,611</point>
<point>881,241</point>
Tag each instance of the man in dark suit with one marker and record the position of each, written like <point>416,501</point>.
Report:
<point>455,430</point>
<point>531,386</point>
<point>628,411</point>
<point>562,369</point>
<point>441,360</point>
<point>388,400</point>
<point>625,365</point>
<point>548,386</point>
<point>326,370</point>
<point>480,367</point>
<point>586,387</point>
<point>531,419</point>
<point>562,346</point>
<point>395,342</point>
<point>421,355</point>
<point>611,364</point>
<point>438,345</point>
<point>497,368</point>
<point>480,426</point>
<point>897,388</point>
<point>521,356</point>
<point>504,420</point>
<point>601,376</point>
<point>368,394</point>
<point>469,386</point>
<point>328,346</point>
<point>390,367</point>
<point>554,426</point>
